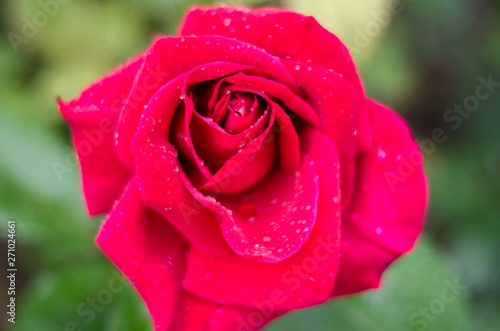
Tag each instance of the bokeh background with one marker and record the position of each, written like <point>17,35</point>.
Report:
<point>422,60</point>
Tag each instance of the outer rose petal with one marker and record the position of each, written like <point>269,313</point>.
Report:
<point>305,278</point>
<point>92,118</point>
<point>195,314</point>
<point>385,216</point>
<point>287,35</point>
<point>335,102</point>
<point>148,251</point>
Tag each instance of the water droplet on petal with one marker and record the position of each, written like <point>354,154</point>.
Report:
<point>381,153</point>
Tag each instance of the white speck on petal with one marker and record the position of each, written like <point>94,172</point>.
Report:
<point>381,154</point>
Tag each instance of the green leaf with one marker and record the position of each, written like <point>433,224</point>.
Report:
<point>81,297</point>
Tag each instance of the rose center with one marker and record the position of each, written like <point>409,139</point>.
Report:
<point>242,104</point>
<point>243,110</point>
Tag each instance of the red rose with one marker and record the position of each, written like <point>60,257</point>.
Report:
<point>251,174</point>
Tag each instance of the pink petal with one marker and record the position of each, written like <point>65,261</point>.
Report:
<point>335,102</point>
<point>301,280</point>
<point>159,174</point>
<point>273,220</point>
<point>148,251</point>
<point>181,138</point>
<point>287,35</point>
<point>195,314</point>
<point>92,118</point>
<point>171,57</point>
<point>289,148</point>
<point>386,213</point>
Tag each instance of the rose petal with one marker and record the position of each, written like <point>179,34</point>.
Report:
<point>195,314</point>
<point>92,118</point>
<point>272,221</point>
<point>148,251</point>
<point>287,35</point>
<point>181,137</point>
<point>289,148</point>
<point>170,57</point>
<point>386,213</point>
<point>301,280</point>
<point>335,102</point>
<point>158,173</point>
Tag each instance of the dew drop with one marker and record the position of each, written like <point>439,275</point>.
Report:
<point>226,22</point>
<point>381,154</point>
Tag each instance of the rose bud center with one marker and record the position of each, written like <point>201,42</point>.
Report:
<point>242,111</point>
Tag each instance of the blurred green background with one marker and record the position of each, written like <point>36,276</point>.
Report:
<point>424,61</point>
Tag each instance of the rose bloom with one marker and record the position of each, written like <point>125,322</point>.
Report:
<point>244,172</point>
